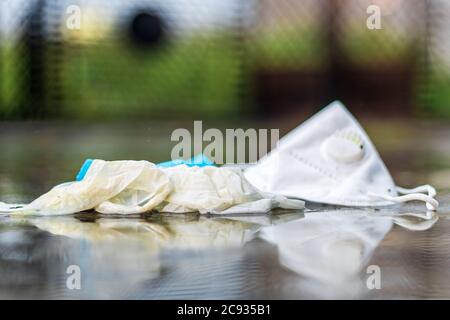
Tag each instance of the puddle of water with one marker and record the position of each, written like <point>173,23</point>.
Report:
<point>322,254</point>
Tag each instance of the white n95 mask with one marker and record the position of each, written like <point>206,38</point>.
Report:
<point>330,159</point>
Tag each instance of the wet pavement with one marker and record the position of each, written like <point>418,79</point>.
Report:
<point>323,252</point>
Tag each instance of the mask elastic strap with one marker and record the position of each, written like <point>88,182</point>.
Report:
<point>414,194</point>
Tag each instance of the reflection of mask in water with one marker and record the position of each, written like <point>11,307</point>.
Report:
<point>328,247</point>
<point>330,159</point>
<point>333,247</point>
<point>132,187</point>
<point>415,221</point>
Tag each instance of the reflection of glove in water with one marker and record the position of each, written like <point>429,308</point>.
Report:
<point>128,187</point>
<point>330,159</point>
<point>126,257</point>
<point>172,232</point>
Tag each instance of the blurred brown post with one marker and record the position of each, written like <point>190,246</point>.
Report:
<point>331,24</point>
<point>33,106</point>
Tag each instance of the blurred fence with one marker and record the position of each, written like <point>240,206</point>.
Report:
<point>436,92</point>
<point>148,58</point>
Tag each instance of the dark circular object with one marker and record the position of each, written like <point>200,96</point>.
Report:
<point>147,29</point>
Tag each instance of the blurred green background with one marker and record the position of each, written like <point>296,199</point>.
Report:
<point>220,58</point>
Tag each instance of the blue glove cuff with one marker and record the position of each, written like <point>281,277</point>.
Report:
<point>84,169</point>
